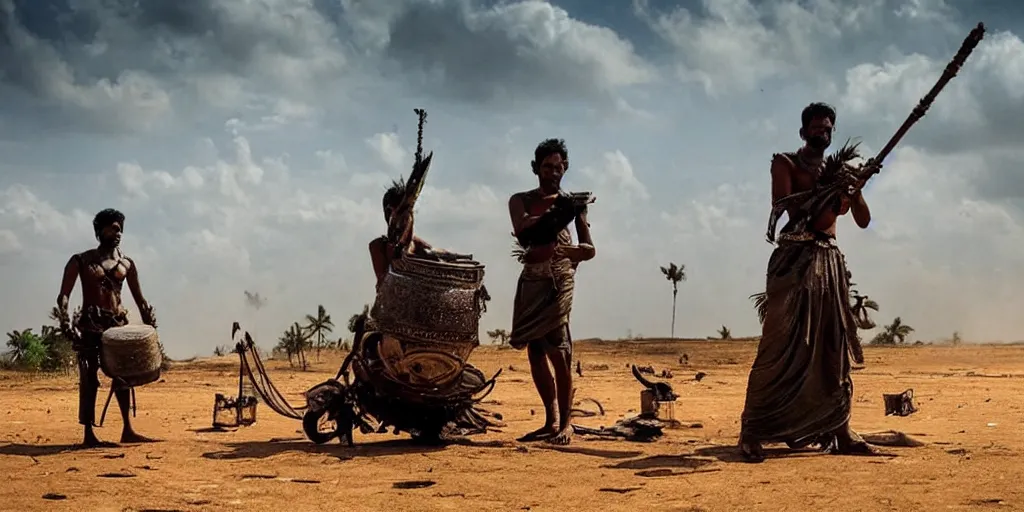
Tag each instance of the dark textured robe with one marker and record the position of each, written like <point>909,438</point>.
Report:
<point>799,387</point>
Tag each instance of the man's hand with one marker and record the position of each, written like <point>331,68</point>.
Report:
<point>576,253</point>
<point>581,218</point>
<point>148,315</point>
<point>869,168</point>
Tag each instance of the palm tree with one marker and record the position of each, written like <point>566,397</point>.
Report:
<point>861,304</point>
<point>894,333</point>
<point>318,326</point>
<point>299,338</point>
<point>26,349</point>
<point>725,333</point>
<point>499,336</point>
<point>675,274</point>
<point>18,343</point>
<point>284,346</point>
<point>293,343</point>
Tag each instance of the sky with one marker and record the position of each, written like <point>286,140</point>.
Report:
<point>249,143</point>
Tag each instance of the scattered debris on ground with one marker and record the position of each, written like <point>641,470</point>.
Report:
<point>891,438</point>
<point>619,490</point>
<point>899,404</point>
<point>414,484</point>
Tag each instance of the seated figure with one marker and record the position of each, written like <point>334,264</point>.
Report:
<point>384,250</point>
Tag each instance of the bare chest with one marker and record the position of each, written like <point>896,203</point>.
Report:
<point>802,179</point>
<point>108,272</point>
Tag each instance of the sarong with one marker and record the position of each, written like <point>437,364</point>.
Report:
<point>543,303</point>
<point>93,323</point>
<point>799,386</point>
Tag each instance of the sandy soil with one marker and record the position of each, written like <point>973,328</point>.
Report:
<point>969,418</point>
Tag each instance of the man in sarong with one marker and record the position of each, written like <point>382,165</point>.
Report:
<point>543,301</point>
<point>799,390</point>
<point>102,271</point>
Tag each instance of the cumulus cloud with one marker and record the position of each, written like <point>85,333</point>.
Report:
<point>249,144</point>
<point>9,242</point>
<point>388,148</point>
<point>977,113</point>
<point>737,46</point>
<point>505,52</point>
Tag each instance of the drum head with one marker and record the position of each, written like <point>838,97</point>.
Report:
<point>129,332</point>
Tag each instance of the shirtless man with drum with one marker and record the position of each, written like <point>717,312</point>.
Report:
<point>102,271</point>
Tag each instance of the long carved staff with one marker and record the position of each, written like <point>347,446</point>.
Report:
<point>919,111</point>
<point>414,185</point>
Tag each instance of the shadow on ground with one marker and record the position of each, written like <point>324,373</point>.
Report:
<point>265,449</point>
<point>731,453</point>
<point>38,450</point>
<point>663,461</point>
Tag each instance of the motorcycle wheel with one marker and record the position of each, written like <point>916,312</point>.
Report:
<point>311,427</point>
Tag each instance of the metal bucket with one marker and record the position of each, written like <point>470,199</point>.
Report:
<point>899,404</point>
<point>231,412</point>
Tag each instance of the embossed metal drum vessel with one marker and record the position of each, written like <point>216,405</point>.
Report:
<point>429,312</point>
<point>131,354</point>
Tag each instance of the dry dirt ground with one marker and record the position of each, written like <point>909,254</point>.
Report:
<point>970,419</point>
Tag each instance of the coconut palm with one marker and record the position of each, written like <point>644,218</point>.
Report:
<point>894,333</point>
<point>318,326</point>
<point>861,304</point>
<point>725,333</point>
<point>674,274</point>
<point>300,340</point>
<point>499,336</point>
<point>18,344</point>
<point>26,350</point>
<point>293,343</point>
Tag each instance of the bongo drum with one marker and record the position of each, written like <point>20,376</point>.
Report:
<point>131,354</point>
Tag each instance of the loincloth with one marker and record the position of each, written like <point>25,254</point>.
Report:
<point>542,306</point>
<point>93,323</point>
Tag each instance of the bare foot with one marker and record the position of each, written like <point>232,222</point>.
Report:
<point>540,434</point>
<point>860,448</point>
<point>849,442</point>
<point>751,451</point>
<point>91,441</point>
<point>132,437</point>
<point>563,437</point>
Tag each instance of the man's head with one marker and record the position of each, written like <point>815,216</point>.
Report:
<point>392,198</point>
<point>816,123</point>
<point>107,225</point>
<point>550,161</point>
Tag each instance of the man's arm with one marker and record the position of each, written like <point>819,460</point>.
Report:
<point>67,285</point>
<point>861,212</point>
<point>782,181</point>
<point>145,309</point>
<point>585,250</point>
<point>379,258</point>
<point>521,219</point>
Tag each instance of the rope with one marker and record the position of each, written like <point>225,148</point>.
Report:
<point>262,384</point>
